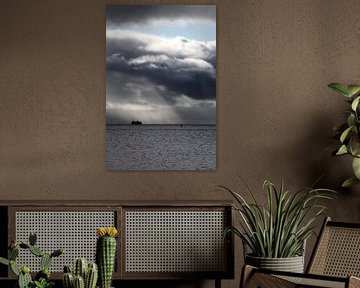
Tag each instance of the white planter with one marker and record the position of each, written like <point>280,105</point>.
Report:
<point>291,264</point>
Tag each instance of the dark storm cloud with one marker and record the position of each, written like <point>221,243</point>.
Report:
<point>145,13</point>
<point>155,76</point>
<point>189,71</point>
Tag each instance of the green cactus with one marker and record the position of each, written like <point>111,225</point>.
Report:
<point>45,261</point>
<point>32,238</point>
<point>79,282</point>
<point>36,251</point>
<point>91,276</point>
<point>42,278</point>
<point>80,267</point>
<point>57,252</point>
<point>24,280</point>
<point>105,258</point>
<point>68,280</point>
<point>67,269</point>
<point>87,272</point>
<point>14,268</point>
<point>13,253</point>
<point>24,245</point>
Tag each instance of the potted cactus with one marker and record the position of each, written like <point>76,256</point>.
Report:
<point>42,278</point>
<point>106,254</point>
<point>84,275</point>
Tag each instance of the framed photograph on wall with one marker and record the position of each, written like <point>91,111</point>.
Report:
<point>161,87</point>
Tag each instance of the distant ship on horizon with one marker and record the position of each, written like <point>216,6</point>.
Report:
<point>136,123</point>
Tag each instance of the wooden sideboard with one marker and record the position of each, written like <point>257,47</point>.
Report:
<point>157,240</point>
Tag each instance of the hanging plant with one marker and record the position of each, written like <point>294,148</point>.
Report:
<point>348,133</point>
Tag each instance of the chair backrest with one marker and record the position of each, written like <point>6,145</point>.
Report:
<point>337,251</point>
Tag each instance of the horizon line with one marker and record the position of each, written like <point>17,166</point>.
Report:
<point>162,124</point>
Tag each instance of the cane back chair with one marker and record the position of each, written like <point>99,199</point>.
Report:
<point>335,262</point>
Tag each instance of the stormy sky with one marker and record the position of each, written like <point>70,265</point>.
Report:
<point>161,64</point>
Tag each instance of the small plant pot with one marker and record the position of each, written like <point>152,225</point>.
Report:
<point>291,264</point>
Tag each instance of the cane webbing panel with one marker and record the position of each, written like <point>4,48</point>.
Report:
<point>260,280</point>
<point>74,231</point>
<point>313,282</point>
<point>175,241</point>
<point>338,252</point>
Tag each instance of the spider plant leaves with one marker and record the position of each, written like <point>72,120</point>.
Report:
<point>279,228</point>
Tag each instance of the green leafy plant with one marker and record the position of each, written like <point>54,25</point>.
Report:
<point>42,278</point>
<point>279,229</point>
<point>348,133</point>
<point>43,283</point>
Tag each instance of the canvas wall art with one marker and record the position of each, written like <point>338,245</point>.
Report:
<point>161,87</point>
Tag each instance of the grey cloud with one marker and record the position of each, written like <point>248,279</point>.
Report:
<point>128,14</point>
<point>192,77</point>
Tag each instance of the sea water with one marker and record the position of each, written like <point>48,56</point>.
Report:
<point>161,147</point>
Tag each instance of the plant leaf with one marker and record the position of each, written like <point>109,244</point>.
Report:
<point>355,103</point>
<point>356,167</point>
<point>345,134</point>
<point>349,182</point>
<point>342,150</point>
<point>353,89</point>
<point>351,120</point>
<point>340,88</point>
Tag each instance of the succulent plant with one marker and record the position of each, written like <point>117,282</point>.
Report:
<point>85,275</point>
<point>106,254</point>
<point>42,278</point>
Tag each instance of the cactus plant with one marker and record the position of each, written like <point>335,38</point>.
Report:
<point>79,282</point>
<point>84,274</point>
<point>42,278</point>
<point>105,254</point>
<point>68,280</point>
<point>81,265</point>
<point>91,276</point>
<point>24,277</point>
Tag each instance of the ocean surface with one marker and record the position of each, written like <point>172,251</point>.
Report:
<point>161,147</point>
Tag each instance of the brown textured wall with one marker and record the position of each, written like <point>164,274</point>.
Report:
<point>275,113</point>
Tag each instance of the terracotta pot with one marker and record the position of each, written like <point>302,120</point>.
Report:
<point>291,264</point>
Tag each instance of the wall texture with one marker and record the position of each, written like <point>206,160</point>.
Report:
<point>275,113</point>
